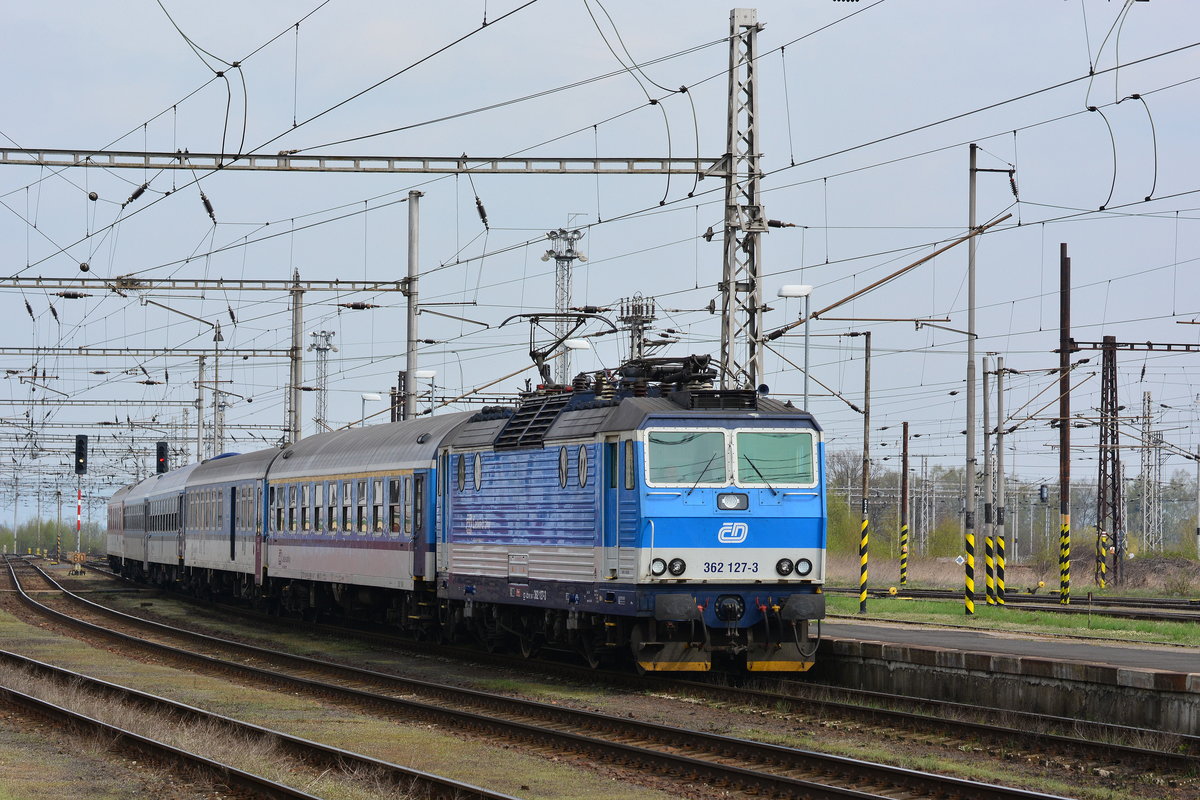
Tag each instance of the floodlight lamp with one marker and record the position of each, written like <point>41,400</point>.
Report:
<point>370,397</point>
<point>581,257</point>
<point>577,344</point>
<point>546,256</point>
<point>795,290</point>
<point>426,374</point>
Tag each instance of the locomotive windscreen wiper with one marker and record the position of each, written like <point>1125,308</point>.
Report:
<point>703,472</point>
<point>758,472</point>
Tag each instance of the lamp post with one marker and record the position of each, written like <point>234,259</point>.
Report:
<point>801,290</point>
<point>365,397</point>
<point>426,375</point>
<point>863,543</point>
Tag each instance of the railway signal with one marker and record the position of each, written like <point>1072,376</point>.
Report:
<point>81,448</point>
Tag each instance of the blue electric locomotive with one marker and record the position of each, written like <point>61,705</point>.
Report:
<point>678,524</point>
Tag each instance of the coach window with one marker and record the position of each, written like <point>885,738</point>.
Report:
<point>361,518</point>
<point>418,495</point>
<point>319,507</point>
<point>332,508</point>
<point>377,506</point>
<point>408,506</point>
<point>347,496</point>
<point>291,507</point>
<point>280,504</point>
<point>394,506</point>
<point>305,522</point>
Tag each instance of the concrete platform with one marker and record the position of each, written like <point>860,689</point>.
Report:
<point>1140,685</point>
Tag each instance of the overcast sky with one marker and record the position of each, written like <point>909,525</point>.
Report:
<point>866,113</point>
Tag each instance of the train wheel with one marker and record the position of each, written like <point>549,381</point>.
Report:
<point>636,637</point>
<point>529,645</point>
<point>589,652</point>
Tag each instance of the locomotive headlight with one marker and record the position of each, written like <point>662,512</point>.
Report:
<point>733,501</point>
<point>784,566</point>
<point>803,566</point>
<point>677,567</point>
<point>658,567</point>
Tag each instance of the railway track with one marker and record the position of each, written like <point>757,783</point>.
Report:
<point>691,756</point>
<point>1096,745</point>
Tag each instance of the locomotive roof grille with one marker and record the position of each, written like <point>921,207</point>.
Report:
<point>528,426</point>
<point>713,399</point>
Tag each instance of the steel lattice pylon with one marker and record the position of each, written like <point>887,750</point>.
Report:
<point>1151,480</point>
<point>741,295</point>
<point>322,343</point>
<point>563,251</point>
<point>1110,519</point>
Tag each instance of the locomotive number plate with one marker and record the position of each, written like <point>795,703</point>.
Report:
<point>730,567</point>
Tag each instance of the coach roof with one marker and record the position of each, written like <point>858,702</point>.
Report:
<point>395,445</point>
<point>160,484</point>
<point>233,468</point>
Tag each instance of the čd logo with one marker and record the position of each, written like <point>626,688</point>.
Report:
<point>733,533</point>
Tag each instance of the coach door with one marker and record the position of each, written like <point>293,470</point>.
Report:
<point>261,513</point>
<point>442,519</point>
<point>611,507</point>
<point>232,523</point>
<point>180,527</point>
<point>146,536</point>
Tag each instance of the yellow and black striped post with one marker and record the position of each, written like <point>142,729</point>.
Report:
<point>1064,561</point>
<point>989,567</point>
<point>904,555</point>
<point>1101,559</point>
<point>969,589</point>
<point>1000,557</point>
<point>862,564</point>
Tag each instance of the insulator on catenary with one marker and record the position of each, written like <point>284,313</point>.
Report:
<point>54,312</point>
<point>1012,182</point>
<point>358,305</point>
<point>482,212</point>
<point>232,317</point>
<point>138,192</point>
<point>29,308</point>
<point>208,207</point>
